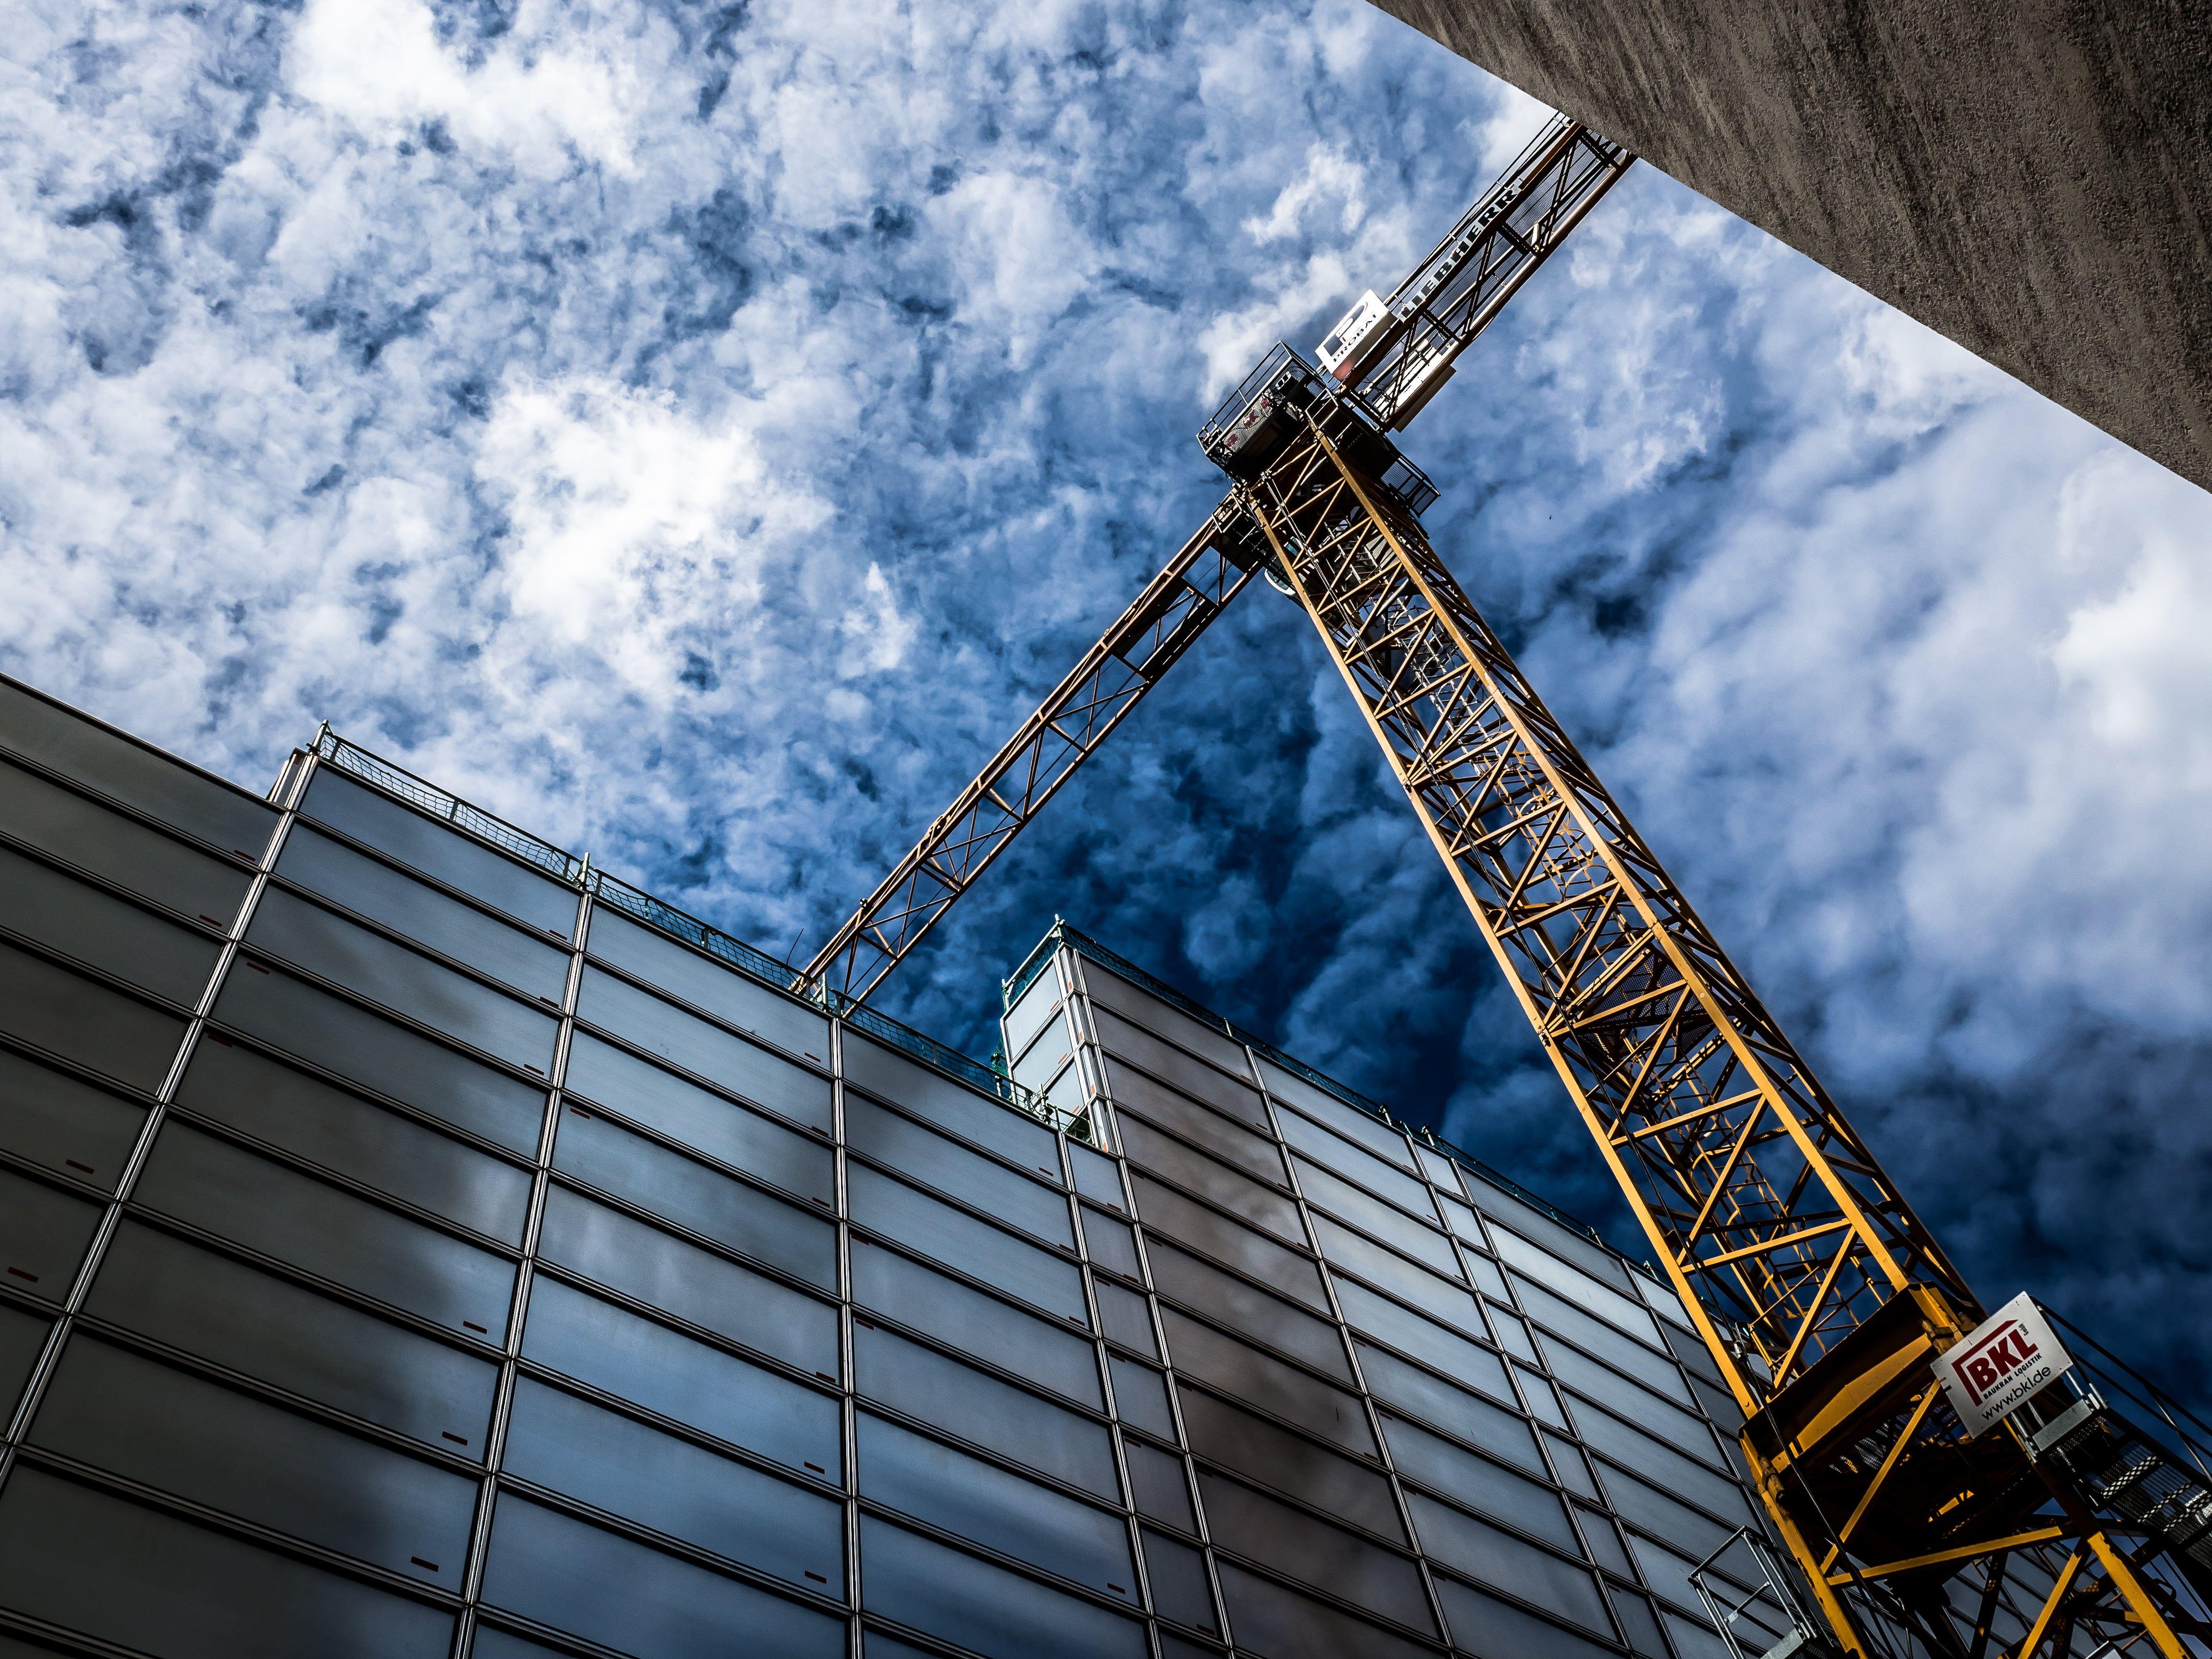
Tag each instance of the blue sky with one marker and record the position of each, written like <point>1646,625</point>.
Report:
<point>702,435</point>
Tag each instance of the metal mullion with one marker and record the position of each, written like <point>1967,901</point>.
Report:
<point>849,1384</point>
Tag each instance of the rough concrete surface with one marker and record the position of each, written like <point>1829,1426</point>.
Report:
<point>2032,178</point>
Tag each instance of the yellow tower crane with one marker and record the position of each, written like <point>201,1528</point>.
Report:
<point>1925,1465</point>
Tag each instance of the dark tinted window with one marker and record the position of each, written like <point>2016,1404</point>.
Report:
<point>1172,1065</point>
<point>1141,1397</point>
<point>1228,1242</point>
<point>89,1562</point>
<point>99,1029</point>
<point>1033,1349</point>
<point>1096,1175</point>
<point>939,1098</point>
<point>333,1234</point>
<point>980,1501</point>
<point>21,1337</point>
<point>1290,1463</point>
<point>1111,1244</point>
<point>981,1607</point>
<point>611,1348</point>
<point>1670,1423</point>
<point>1251,1375</point>
<point>616,1464</point>
<point>1348,1121</point>
<point>378,891</point>
<point>1366,1575</point>
<point>372,966</point>
<point>153,783</point>
<point>1484,1625</point>
<point>222,1310</point>
<point>1601,1339</point>
<point>1138,1094</point>
<point>64,1124</point>
<point>184,1435</point>
<point>1417,1285</point>
<point>951,1167</point>
<point>1429,1396</point>
<point>961,1240</point>
<point>1179,1591</point>
<point>1164,1018</point>
<point>124,851</point>
<point>1423,1339</point>
<point>1157,1484</point>
<point>1245,1308</point>
<point>319,1028</point>
<point>1238,1194</point>
<point>1283,1625</point>
<point>1333,1152</point>
<point>980,1409</point>
<point>562,1572</point>
<point>1401,1231</point>
<point>452,858</point>
<point>722,992</point>
<point>1125,1318</point>
<point>111,934</point>
<point>1661,1464</point>
<point>342,1132</point>
<point>43,1235</point>
<point>687,1192</point>
<point>740,1066</point>
<point>664,1272</point>
<point>1479,1483</point>
<point>1661,1516</point>
<point>686,1113</point>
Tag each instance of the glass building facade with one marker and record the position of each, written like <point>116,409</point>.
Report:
<point>413,1244</point>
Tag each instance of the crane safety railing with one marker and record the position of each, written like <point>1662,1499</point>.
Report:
<point>750,960</point>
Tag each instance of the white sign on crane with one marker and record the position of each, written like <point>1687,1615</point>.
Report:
<point>1996,1367</point>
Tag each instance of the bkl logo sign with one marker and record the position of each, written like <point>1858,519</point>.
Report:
<point>2000,1364</point>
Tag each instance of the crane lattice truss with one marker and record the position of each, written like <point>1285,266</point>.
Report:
<point>1819,1293</point>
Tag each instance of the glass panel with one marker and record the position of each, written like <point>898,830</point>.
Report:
<point>1127,1318</point>
<point>1180,1590</point>
<point>1438,1168</point>
<point>1474,1419</point>
<point>1543,1401</point>
<point>1040,1062</point>
<point>1462,1220</point>
<point>1467,1546</point>
<point>1348,1121</point>
<point>1001,1510</point>
<point>1134,1092</point>
<point>981,1607</point>
<point>1114,992</point>
<point>342,1132</point>
<point>122,850</point>
<point>618,1079</point>
<point>985,1411</point>
<point>1639,1624</point>
<point>1156,1480</point>
<point>100,1030</point>
<point>354,1043</point>
<point>664,1272</point>
<point>933,1095</point>
<point>183,1435</point>
<point>562,1572</point>
<point>22,1337</point>
<point>1602,1542</point>
<point>1554,1274</point>
<point>959,1240</point>
<point>136,774</point>
<point>1492,1629</point>
<point>1333,1152</point>
<point>1366,1575</point>
<point>1290,1463</point>
<point>1663,1301</point>
<point>613,1349</point>
<point>620,1466</point>
<point>1228,1243</point>
<point>1663,1464</point>
<point>652,1176</point>
<point>1281,1624</point>
<point>1479,1483</point>
<point>1171,1065</point>
<point>1489,1277</point>
<point>44,1233</point>
<point>67,1126</point>
<point>1394,1228</point>
<point>1512,1334</point>
<point>1269,1384</point>
<point>1656,1512</point>
<point>374,967</point>
<point>1572,1468</point>
<point>225,1311</point>
<point>1417,1338</point>
<point>1349,1250</point>
<point>1239,1195</point>
<point>1601,1339</point>
<point>452,858</point>
<point>1694,1641</point>
<point>1048,1355</point>
<point>380,892</point>
<point>1695,1359</point>
<point>118,938</point>
<point>743,1067</point>
<point>1671,1424</point>
<point>1097,1176</point>
<point>951,1167</point>
<point>281,1213</point>
<point>705,983</point>
<point>1141,1397</point>
<point>1038,1004</point>
<point>1245,1308</point>
<point>85,1561</point>
<point>1112,1245</point>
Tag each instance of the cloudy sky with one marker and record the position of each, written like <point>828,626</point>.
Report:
<point>701,436</point>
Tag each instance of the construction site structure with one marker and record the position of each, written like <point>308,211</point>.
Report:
<point>1824,1299</point>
